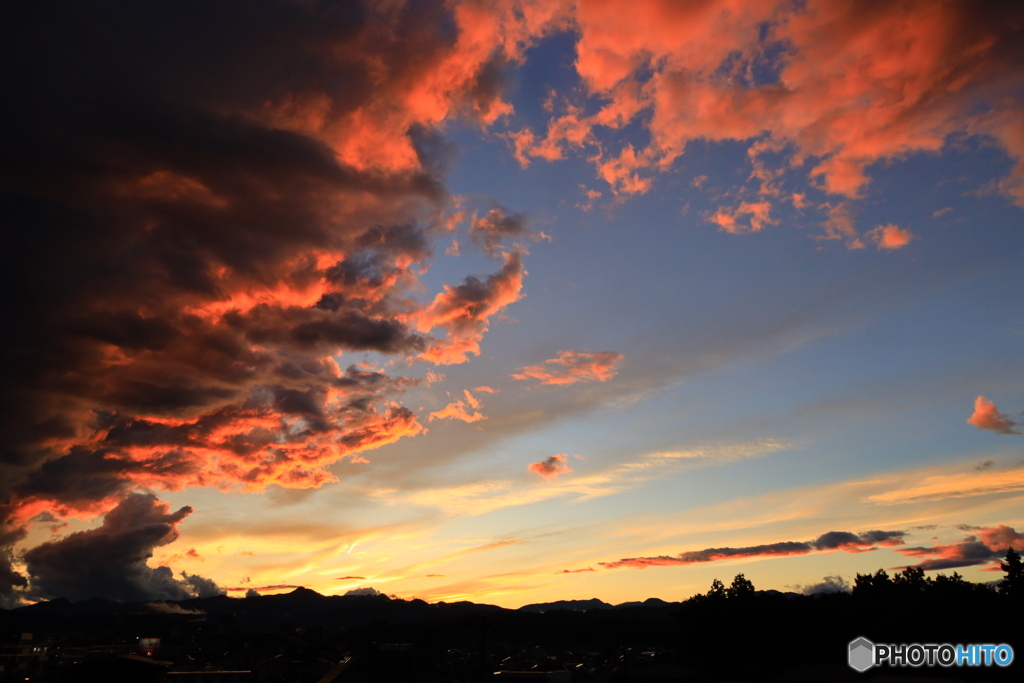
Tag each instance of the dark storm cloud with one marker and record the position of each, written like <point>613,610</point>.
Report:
<point>206,203</point>
<point>110,560</point>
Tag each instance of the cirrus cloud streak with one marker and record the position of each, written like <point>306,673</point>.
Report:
<point>570,367</point>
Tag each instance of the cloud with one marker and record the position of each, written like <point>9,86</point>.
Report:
<point>577,571</point>
<point>830,584</point>
<point>957,485</point>
<point>110,560</point>
<point>496,225</point>
<point>759,213</point>
<point>890,237</point>
<point>467,410</point>
<point>364,591</point>
<point>185,298</point>
<point>274,587</point>
<point>201,586</point>
<point>831,87</point>
<point>986,416</point>
<point>350,578</point>
<point>549,468</point>
<point>984,547</point>
<point>479,497</point>
<point>172,608</point>
<point>833,540</point>
<point>571,367</point>
<point>464,311</point>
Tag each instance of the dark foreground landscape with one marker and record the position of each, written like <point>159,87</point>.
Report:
<point>733,633</point>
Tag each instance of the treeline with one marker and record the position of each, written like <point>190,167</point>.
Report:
<point>757,634</point>
<point>910,582</point>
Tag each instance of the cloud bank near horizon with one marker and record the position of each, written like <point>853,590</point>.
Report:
<point>833,540</point>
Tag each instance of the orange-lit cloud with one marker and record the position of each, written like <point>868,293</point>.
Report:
<point>985,546</point>
<point>840,90</point>
<point>467,411</point>
<point>890,236</point>
<point>571,367</point>
<point>464,311</point>
<point>986,416</point>
<point>549,468</point>
<point>274,587</point>
<point>759,213</point>
<point>833,540</point>
<point>188,330</point>
<point>980,482</point>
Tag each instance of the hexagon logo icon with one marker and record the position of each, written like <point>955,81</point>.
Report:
<point>862,654</point>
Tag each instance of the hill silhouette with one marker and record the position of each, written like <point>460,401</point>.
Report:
<point>728,633</point>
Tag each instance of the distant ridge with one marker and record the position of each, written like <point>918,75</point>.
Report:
<point>567,605</point>
<point>303,604</point>
<point>259,613</point>
<point>649,602</point>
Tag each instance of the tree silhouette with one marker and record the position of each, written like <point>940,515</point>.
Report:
<point>872,586</point>
<point>1013,584</point>
<point>717,591</point>
<point>741,587</point>
<point>911,580</point>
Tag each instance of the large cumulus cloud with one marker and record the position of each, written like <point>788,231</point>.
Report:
<point>208,204</point>
<point>110,560</point>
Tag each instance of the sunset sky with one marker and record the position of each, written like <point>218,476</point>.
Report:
<point>509,301</point>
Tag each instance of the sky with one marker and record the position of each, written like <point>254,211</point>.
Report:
<point>511,301</point>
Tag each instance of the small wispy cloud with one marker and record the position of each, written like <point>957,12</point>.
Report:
<point>467,411</point>
<point>571,367</point>
<point>550,467</point>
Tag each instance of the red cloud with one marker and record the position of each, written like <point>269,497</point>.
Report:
<point>971,551</point>
<point>758,212</point>
<point>464,311</point>
<point>571,367</point>
<point>890,236</point>
<point>550,467</point>
<point>833,540</point>
<point>847,88</point>
<point>987,416</point>
<point>467,410</point>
